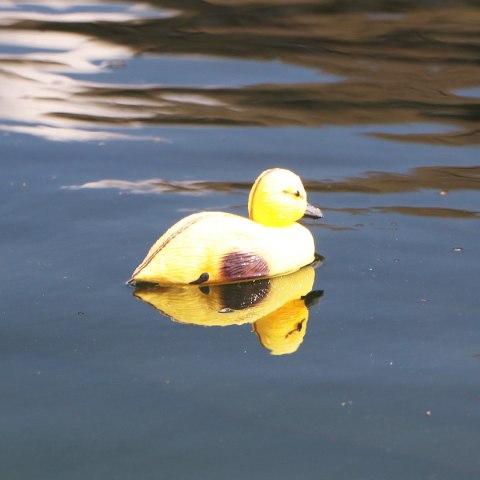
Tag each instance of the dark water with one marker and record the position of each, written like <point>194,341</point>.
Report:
<point>117,119</point>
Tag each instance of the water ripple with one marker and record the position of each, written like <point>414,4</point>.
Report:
<point>317,65</point>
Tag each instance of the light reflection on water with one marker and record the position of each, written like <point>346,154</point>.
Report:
<point>38,82</point>
<point>442,180</point>
<point>392,67</point>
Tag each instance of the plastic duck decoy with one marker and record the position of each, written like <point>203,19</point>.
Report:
<point>216,247</point>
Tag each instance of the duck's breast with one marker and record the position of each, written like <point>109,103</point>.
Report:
<point>246,250</point>
<point>288,248</point>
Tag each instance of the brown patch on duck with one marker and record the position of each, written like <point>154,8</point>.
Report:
<point>167,240</point>
<point>243,266</point>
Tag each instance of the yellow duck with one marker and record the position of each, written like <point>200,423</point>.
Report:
<point>216,247</point>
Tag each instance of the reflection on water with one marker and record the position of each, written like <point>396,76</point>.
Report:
<point>277,307</point>
<point>393,64</point>
<point>440,178</point>
<point>37,66</point>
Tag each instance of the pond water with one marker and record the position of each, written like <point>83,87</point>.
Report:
<point>119,118</point>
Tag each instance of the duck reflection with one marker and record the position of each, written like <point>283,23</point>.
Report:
<point>276,307</point>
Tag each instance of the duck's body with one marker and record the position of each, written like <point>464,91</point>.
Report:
<point>216,247</point>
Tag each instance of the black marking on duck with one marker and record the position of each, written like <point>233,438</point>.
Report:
<point>205,290</point>
<point>243,266</point>
<point>201,279</point>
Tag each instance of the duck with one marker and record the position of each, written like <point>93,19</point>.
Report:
<point>208,248</point>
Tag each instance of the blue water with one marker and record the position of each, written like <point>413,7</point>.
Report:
<point>99,384</point>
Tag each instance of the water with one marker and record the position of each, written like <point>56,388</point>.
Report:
<point>117,119</point>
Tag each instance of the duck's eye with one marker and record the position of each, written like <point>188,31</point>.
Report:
<point>296,193</point>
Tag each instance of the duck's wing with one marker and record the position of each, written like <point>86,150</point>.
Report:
<point>204,248</point>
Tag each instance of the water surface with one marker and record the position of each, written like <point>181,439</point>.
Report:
<point>117,119</point>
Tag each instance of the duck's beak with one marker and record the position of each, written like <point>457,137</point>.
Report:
<point>312,212</point>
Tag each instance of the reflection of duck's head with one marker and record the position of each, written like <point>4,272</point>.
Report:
<point>278,199</point>
<point>283,331</point>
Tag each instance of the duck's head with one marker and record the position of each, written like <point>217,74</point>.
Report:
<point>278,199</point>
